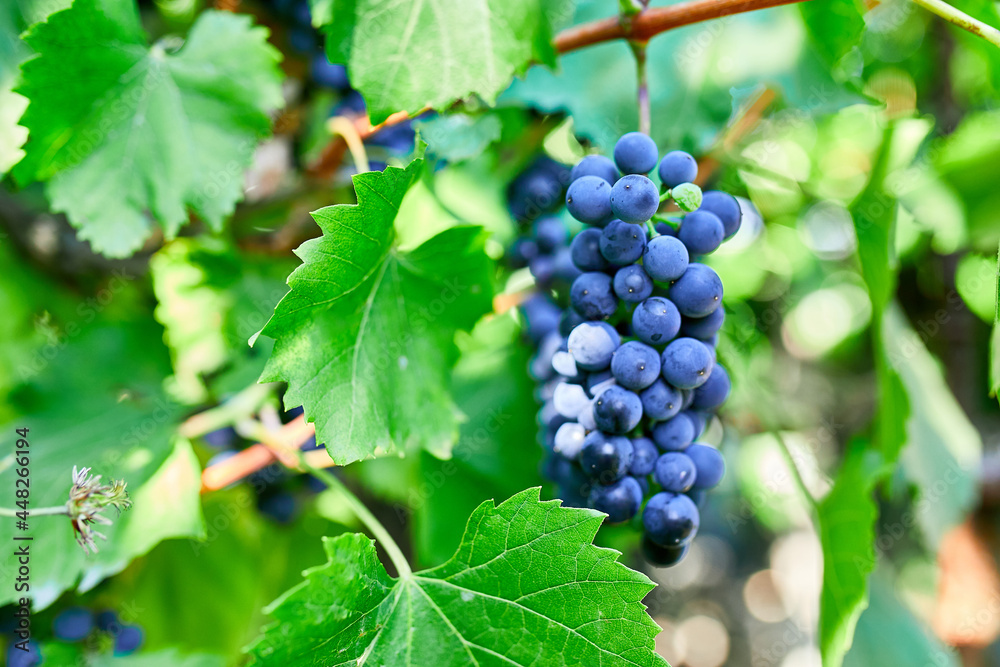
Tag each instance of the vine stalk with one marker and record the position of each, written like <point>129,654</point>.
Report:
<point>800,483</point>
<point>642,95</point>
<point>961,19</point>
<point>373,525</point>
<point>42,511</point>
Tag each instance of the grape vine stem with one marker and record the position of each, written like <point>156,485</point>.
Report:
<point>640,27</point>
<point>793,467</point>
<point>961,19</point>
<point>373,525</point>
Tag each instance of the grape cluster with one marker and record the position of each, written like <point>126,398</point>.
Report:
<point>76,624</point>
<point>628,369</point>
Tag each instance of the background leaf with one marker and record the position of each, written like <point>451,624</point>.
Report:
<point>106,168</point>
<point>434,54</point>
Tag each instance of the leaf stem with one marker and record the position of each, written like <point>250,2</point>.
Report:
<point>642,96</point>
<point>42,511</point>
<point>239,406</point>
<point>796,474</point>
<point>961,19</point>
<point>340,125</point>
<point>374,525</point>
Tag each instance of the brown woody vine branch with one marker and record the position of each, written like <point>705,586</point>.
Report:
<point>640,27</point>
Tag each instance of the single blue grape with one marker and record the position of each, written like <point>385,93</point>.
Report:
<point>617,410</point>
<point>686,363</point>
<point>699,420</point>
<point>663,556</point>
<point>675,472</point>
<point>634,198</point>
<point>223,438</point>
<point>688,395</point>
<point>714,392</point>
<point>565,269</point>
<point>541,317</point>
<point>522,251</point>
<point>543,270</point>
<point>660,401</point>
<point>569,321</point>
<point>278,505</point>
<point>595,379</point>
<point>593,296</point>
<point>593,344</point>
<point>643,484</point>
<point>665,259</point>
<point>703,328</point>
<point>725,206</point>
<point>606,457</point>
<point>128,640</point>
<point>631,284</point>
<point>622,243</point>
<point>665,229</point>
<point>107,621</point>
<point>677,167</point>
<point>698,292</point>
<point>636,153</point>
<point>619,500</point>
<point>586,250</point>
<point>674,434</point>
<point>567,475</point>
<point>18,658</point>
<point>595,165</point>
<point>537,190</point>
<point>656,321</point>
<point>670,519</point>
<point>328,75</point>
<point>710,464</point>
<point>589,199</point>
<point>73,624</point>
<point>635,365</point>
<point>697,496</point>
<point>701,231</point>
<point>643,458</point>
<point>550,234</point>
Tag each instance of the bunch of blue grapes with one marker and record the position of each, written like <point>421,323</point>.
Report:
<point>77,624</point>
<point>628,371</point>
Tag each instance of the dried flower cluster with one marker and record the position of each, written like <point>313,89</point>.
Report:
<point>87,499</point>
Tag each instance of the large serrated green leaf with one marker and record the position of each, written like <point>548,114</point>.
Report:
<point>526,587</point>
<point>365,337</point>
<point>127,134</point>
<point>409,56</point>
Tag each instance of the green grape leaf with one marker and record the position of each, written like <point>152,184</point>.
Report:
<point>84,406</point>
<point>846,524</point>
<point>836,29</point>
<point>847,514</point>
<point>459,136</point>
<point>526,587</point>
<point>365,337</point>
<point>432,54</point>
<point>183,124</point>
<point>912,642</point>
<point>210,355</point>
<point>944,450</point>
